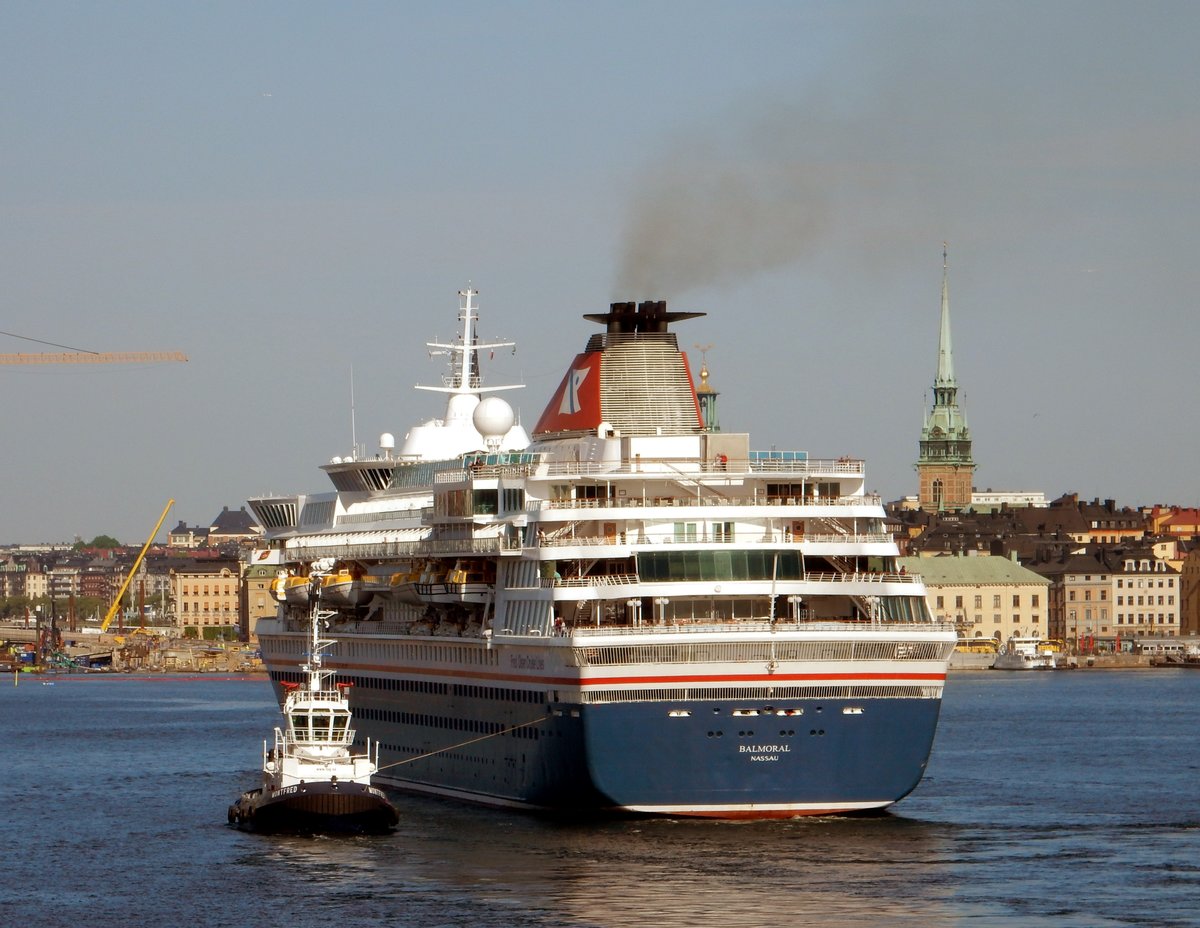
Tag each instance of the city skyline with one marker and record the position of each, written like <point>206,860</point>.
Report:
<point>292,194</point>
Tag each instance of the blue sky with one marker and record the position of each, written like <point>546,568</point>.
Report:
<point>292,194</point>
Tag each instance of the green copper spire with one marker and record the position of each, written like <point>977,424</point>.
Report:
<point>945,367</point>
<point>945,464</point>
<point>945,415</point>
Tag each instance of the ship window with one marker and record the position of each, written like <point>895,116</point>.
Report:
<point>300,725</point>
<point>485,502</point>
<point>719,565</point>
<point>321,725</point>
<point>685,531</point>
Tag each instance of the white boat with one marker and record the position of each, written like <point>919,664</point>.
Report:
<point>633,611</point>
<point>1024,652</point>
<point>312,779</point>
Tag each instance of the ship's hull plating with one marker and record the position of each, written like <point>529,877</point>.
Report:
<point>708,764</point>
<point>540,748</point>
<point>841,755</point>
<point>315,808</point>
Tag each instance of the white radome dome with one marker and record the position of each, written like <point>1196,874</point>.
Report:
<point>493,417</point>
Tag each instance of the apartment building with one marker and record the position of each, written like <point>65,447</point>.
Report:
<point>984,596</point>
<point>1147,594</point>
<point>205,595</point>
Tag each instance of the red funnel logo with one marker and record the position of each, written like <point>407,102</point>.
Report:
<point>575,405</point>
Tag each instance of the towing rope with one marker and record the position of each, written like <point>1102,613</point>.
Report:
<point>463,744</point>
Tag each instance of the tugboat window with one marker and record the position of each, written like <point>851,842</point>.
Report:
<point>321,726</point>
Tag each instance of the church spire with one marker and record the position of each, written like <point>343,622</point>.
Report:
<point>945,387</point>
<point>945,366</point>
<point>945,467</point>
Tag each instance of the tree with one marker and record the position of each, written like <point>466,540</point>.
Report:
<point>100,541</point>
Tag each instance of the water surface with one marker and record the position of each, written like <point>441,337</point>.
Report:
<point>1055,799</point>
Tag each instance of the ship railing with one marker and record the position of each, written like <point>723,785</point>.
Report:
<point>659,502</point>
<point>742,539</point>
<point>441,547</point>
<point>844,465</point>
<point>321,696</point>
<point>601,580</point>
<point>391,515</point>
<point>461,547</point>
<point>489,471</point>
<point>869,577</point>
<point>708,627</point>
<point>862,576</point>
<point>691,466</point>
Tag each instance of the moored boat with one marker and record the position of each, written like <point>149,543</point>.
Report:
<point>312,780</point>
<point>1024,652</point>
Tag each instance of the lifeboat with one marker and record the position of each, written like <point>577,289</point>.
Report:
<point>468,581</point>
<point>278,592</point>
<point>404,586</point>
<point>347,588</point>
<point>296,590</point>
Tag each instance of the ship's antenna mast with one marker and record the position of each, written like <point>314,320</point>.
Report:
<point>464,376</point>
<point>317,675</point>
<point>353,433</point>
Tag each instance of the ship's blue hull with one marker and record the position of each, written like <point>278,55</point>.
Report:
<point>841,755</point>
<point>719,758</point>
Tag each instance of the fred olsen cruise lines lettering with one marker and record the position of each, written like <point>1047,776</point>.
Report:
<point>526,662</point>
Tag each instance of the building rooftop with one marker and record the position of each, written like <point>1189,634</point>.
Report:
<point>984,570</point>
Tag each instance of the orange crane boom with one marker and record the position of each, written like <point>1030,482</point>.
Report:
<point>93,357</point>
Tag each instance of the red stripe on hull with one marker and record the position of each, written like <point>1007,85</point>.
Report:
<point>729,815</point>
<point>763,678</point>
<point>586,682</point>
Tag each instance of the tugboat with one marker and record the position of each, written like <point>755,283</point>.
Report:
<point>312,782</point>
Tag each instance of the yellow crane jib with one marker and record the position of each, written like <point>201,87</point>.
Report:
<point>93,357</point>
<point>133,570</point>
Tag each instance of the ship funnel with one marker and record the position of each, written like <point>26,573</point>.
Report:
<point>652,316</point>
<point>648,317</point>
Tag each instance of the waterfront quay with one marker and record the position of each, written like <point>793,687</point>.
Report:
<point>141,651</point>
<point>962,661</point>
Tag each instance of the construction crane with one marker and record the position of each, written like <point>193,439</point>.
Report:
<point>93,357</point>
<point>83,356</point>
<point>116,606</point>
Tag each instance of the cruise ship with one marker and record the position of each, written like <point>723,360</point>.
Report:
<point>630,611</point>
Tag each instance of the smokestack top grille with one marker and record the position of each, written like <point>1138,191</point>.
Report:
<point>649,317</point>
